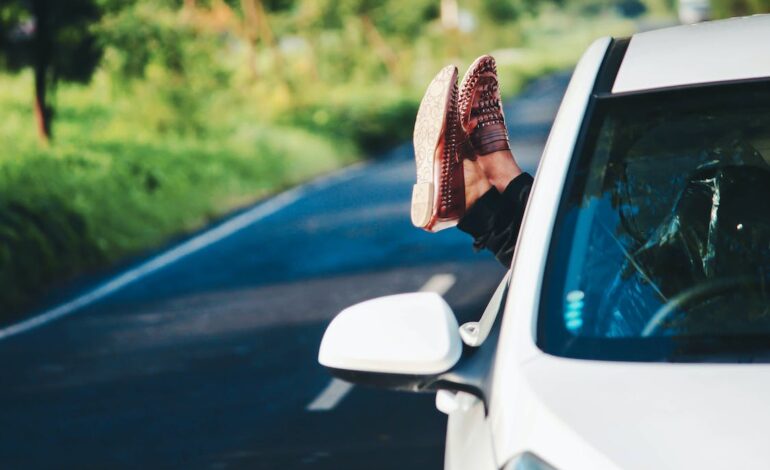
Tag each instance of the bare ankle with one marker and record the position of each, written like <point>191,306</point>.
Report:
<point>500,168</point>
<point>476,183</point>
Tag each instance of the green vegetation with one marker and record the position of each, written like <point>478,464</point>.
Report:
<point>728,8</point>
<point>106,190</point>
<point>55,40</point>
<point>197,108</point>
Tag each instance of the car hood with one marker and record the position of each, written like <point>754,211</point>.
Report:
<point>642,416</point>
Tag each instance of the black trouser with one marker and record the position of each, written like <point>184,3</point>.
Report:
<point>495,219</point>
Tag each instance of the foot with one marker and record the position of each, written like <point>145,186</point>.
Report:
<point>481,117</point>
<point>476,182</point>
<point>438,197</point>
<point>481,109</point>
<point>500,168</point>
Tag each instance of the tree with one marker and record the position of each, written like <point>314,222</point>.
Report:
<point>55,39</point>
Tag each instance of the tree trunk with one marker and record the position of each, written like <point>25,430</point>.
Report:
<point>450,14</point>
<point>252,30</point>
<point>450,20</point>
<point>381,47</point>
<point>268,39</point>
<point>42,56</point>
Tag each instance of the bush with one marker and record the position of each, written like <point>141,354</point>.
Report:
<point>105,192</point>
<point>373,123</point>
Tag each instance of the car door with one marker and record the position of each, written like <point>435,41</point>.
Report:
<point>469,443</point>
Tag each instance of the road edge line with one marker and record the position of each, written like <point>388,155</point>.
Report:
<point>198,242</point>
<point>330,396</point>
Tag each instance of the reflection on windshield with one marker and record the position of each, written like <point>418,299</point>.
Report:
<point>715,233</point>
<point>665,234</point>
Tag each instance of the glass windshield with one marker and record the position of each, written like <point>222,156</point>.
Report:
<point>661,249</point>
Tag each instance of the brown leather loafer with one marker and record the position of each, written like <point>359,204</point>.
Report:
<point>438,197</point>
<point>481,109</point>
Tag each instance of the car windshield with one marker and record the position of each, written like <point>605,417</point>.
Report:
<point>661,248</point>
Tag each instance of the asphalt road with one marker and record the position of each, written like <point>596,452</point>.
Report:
<point>208,360</point>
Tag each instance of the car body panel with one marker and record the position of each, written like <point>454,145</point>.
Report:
<point>517,344</point>
<point>608,415</point>
<point>735,49</point>
<point>648,415</point>
<point>468,437</point>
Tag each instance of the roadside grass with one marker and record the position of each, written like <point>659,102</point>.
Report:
<point>122,177</point>
<point>104,192</point>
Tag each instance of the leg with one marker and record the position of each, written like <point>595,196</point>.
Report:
<point>500,168</point>
<point>476,182</point>
<point>495,218</point>
<point>481,117</point>
<point>470,132</point>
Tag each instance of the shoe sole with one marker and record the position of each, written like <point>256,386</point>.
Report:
<point>428,131</point>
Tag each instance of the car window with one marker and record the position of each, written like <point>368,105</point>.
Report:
<point>661,250</point>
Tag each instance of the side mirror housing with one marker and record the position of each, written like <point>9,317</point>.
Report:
<point>400,341</point>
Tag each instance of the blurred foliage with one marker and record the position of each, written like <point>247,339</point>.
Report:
<point>55,40</point>
<point>62,32</point>
<point>197,107</point>
<point>168,62</point>
<point>728,8</point>
<point>110,188</point>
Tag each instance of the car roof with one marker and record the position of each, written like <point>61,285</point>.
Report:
<point>716,51</point>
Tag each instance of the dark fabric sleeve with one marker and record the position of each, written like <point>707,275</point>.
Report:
<point>495,219</point>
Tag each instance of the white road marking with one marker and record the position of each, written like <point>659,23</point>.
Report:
<point>330,396</point>
<point>337,389</point>
<point>173,255</point>
<point>439,283</point>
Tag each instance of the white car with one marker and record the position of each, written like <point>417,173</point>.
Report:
<point>693,11</point>
<point>633,330</point>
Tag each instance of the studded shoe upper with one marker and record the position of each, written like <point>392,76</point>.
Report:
<point>480,108</point>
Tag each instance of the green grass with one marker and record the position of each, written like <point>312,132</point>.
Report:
<point>105,190</point>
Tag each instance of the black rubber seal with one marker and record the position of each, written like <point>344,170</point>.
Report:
<point>608,71</point>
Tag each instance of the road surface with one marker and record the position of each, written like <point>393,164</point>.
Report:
<point>205,356</point>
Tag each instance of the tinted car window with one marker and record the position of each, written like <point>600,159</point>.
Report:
<point>661,250</point>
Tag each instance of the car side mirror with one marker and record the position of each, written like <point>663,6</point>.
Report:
<point>400,341</point>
